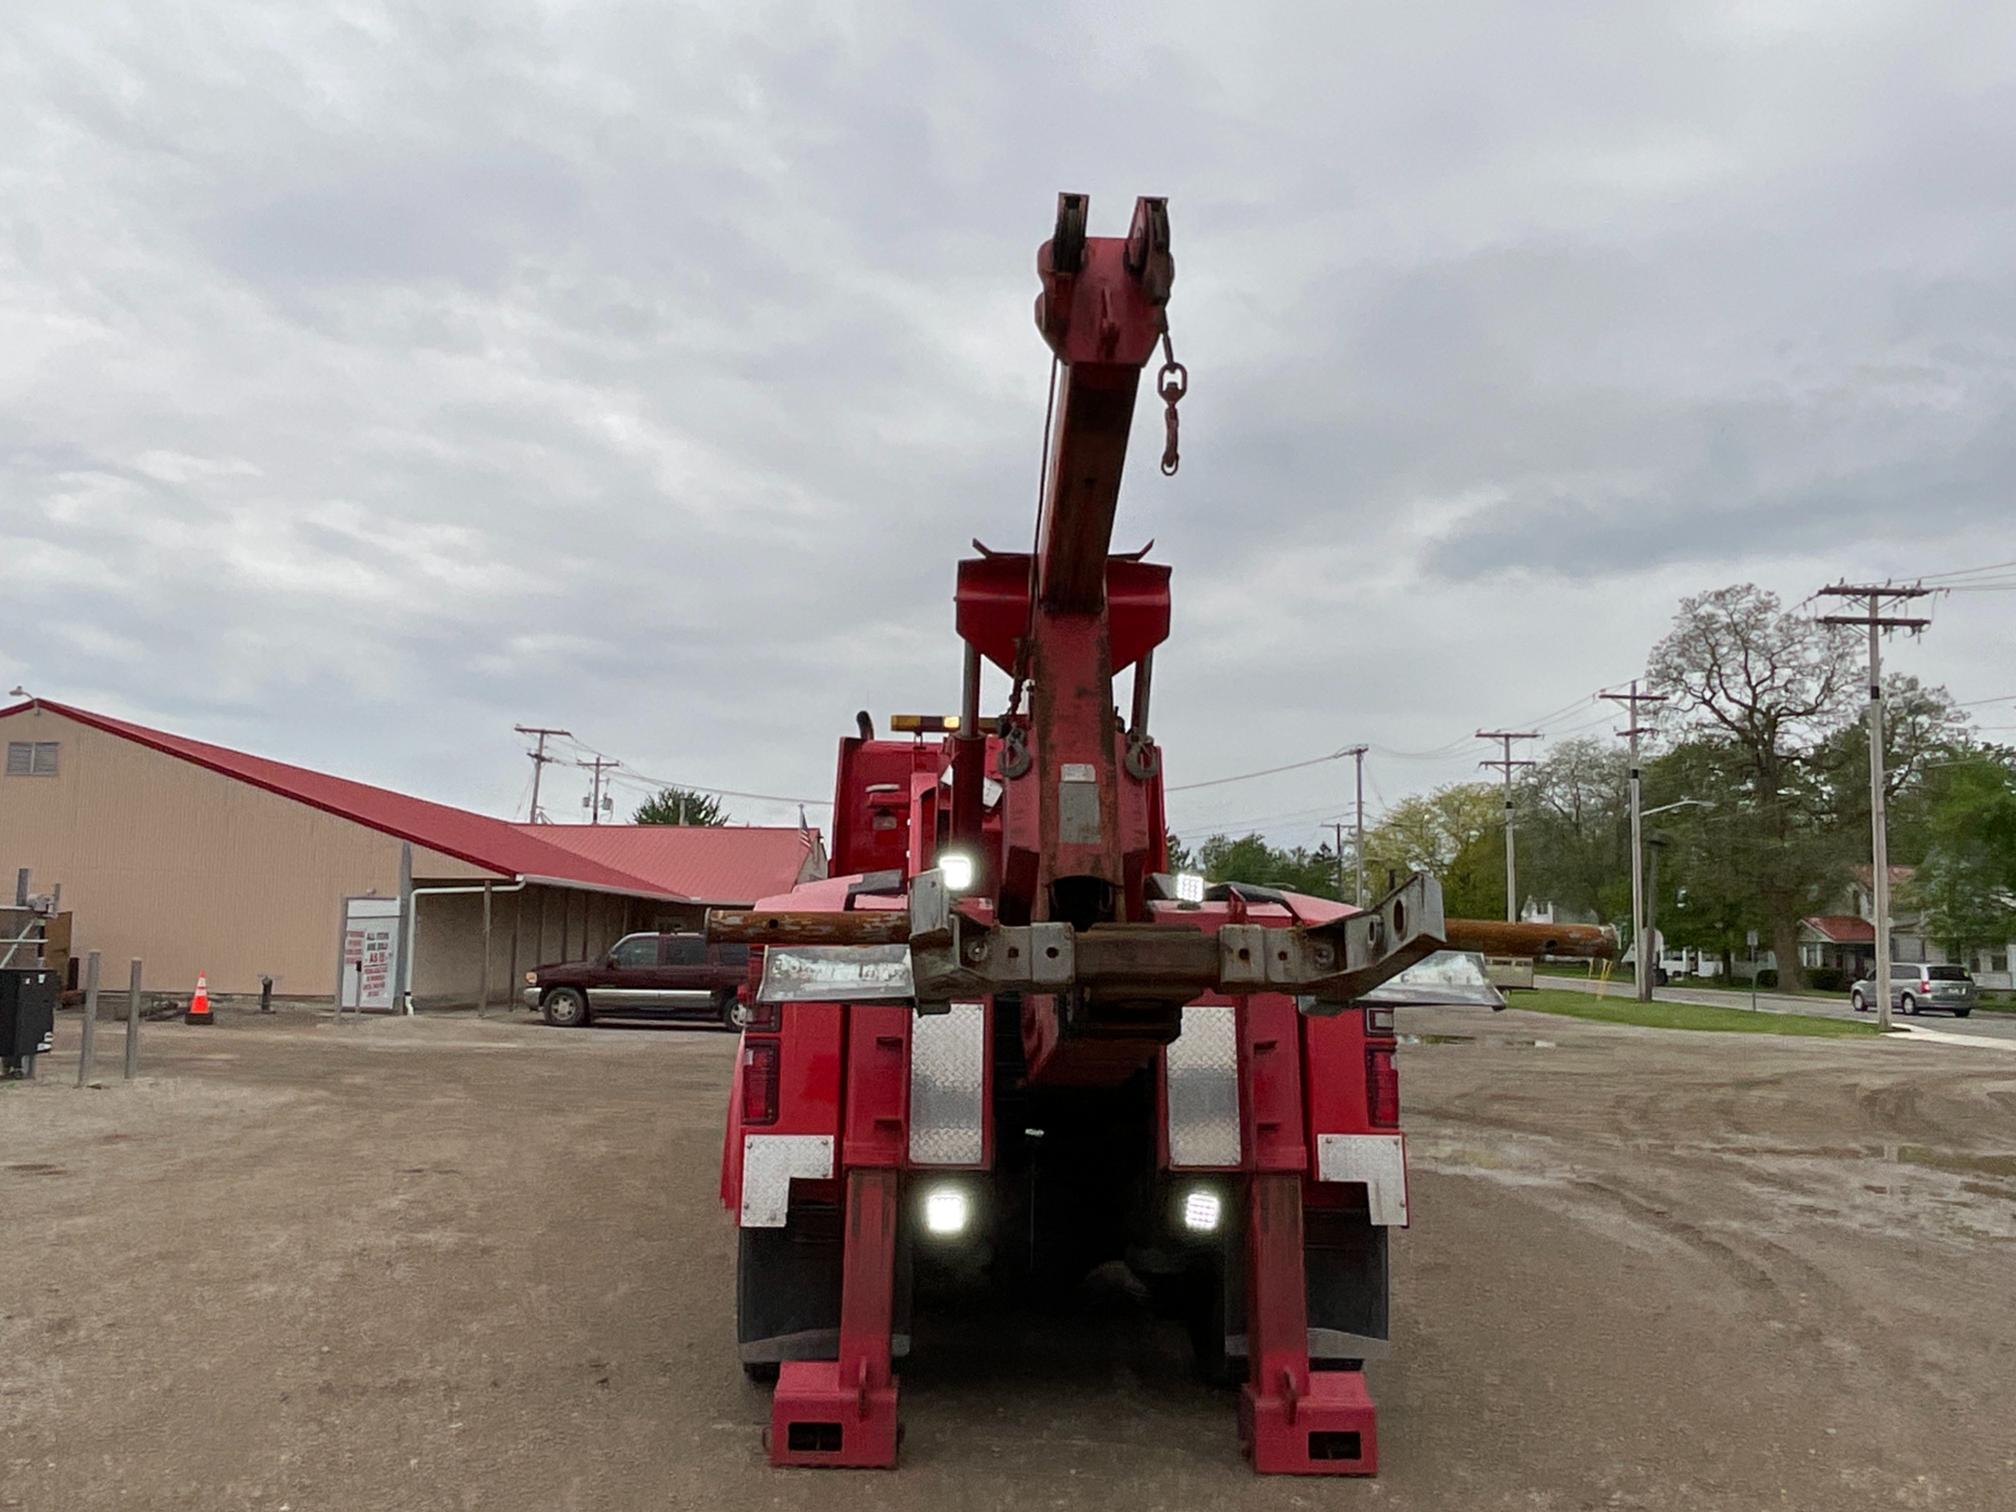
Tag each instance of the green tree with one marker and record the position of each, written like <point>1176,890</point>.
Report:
<point>1921,726</point>
<point>1455,832</point>
<point>677,805</point>
<point>1966,883</point>
<point>1574,838</point>
<point>1708,898</point>
<point>1249,858</point>
<point>1771,687</point>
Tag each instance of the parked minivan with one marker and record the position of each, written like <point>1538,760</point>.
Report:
<point>1918,985</point>
<point>644,976</point>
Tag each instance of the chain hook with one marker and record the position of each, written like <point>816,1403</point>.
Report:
<point>1172,383</point>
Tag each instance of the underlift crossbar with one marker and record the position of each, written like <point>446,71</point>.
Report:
<point>932,955</point>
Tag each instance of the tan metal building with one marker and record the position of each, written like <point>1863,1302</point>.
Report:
<point>196,858</point>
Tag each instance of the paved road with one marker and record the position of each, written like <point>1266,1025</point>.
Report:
<point>1978,1025</point>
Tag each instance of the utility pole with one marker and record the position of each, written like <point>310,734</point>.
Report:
<point>1358,812</point>
<point>1877,622</point>
<point>540,758</point>
<point>598,766</point>
<point>1505,764</point>
<point>1641,957</point>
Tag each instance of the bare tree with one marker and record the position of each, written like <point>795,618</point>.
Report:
<point>1772,686</point>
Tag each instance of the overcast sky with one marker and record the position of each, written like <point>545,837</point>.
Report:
<point>370,384</point>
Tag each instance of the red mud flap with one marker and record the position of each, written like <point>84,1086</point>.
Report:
<point>1331,1431</point>
<point>818,1420</point>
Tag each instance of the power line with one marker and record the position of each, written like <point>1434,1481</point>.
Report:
<point>1292,766</point>
<point>1960,572</point>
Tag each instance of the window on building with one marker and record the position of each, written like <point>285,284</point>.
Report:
<point>1809,955</point>
<point>31,758</point>
<point>1998,960</point>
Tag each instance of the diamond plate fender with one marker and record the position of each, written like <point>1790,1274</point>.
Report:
<point>948,1087</point>
<point>770,1162</point>
<point>1377,1160</point>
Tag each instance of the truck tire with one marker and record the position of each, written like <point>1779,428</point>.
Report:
<point>564,1008</point>
<point>1962,1012</point>
<point>728,1006</point>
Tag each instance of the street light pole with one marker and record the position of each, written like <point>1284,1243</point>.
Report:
<point>1631,701</point>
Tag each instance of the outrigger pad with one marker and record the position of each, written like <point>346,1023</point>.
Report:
<point>1331,1431</point>
<point>819,1421</point>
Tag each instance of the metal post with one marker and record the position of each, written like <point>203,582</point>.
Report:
<point>88,1047</point>
<point>517,928</point>
<point>21,887</point>
<point>483,975</point>
<point>133,1022</point>
<point>405,932</point>
<point>1657,844</point>
<point>1642,978</point>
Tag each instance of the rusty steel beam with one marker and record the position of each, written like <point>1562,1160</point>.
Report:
<point>742,926</point>
<point>1582,942</point>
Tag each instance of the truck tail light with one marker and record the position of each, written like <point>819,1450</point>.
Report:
<point>1382,1087</point>
<point>759,1081</point>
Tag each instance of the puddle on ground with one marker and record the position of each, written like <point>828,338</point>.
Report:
<point>1520,1042</point>
<point>1950,1160</point>
<point>1895,1170</point>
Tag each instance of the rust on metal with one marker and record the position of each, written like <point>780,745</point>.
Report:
<point>755,926</point>
<point>1494,937</point>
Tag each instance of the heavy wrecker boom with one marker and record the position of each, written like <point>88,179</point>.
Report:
<point>1008,1013</point>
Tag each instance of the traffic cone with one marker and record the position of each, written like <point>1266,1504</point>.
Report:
<point>199,1005</point>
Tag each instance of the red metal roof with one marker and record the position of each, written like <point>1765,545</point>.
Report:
<point>515,850</point>
<point>708,864</point>
<point>1842,929</point>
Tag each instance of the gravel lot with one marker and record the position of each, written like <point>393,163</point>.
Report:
<point>449,1263</point>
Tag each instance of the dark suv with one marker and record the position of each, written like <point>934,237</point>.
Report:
<point>645,976</point>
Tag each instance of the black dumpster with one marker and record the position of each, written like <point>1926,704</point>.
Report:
<point>27,1014</point>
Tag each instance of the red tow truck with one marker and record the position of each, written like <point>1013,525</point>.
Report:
<point>1002,1034</point>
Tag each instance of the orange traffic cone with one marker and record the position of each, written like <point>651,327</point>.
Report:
<point>199,1005</point>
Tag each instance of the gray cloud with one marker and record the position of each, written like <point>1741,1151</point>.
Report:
<point>374,379</point>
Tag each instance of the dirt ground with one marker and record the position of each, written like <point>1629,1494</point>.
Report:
<point>440,1263</point>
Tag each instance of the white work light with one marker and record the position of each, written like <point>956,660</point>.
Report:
<point>957,868</point>
<point>946,1211</point>
<point>1201,1212</point>
<point>1189,888</point>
